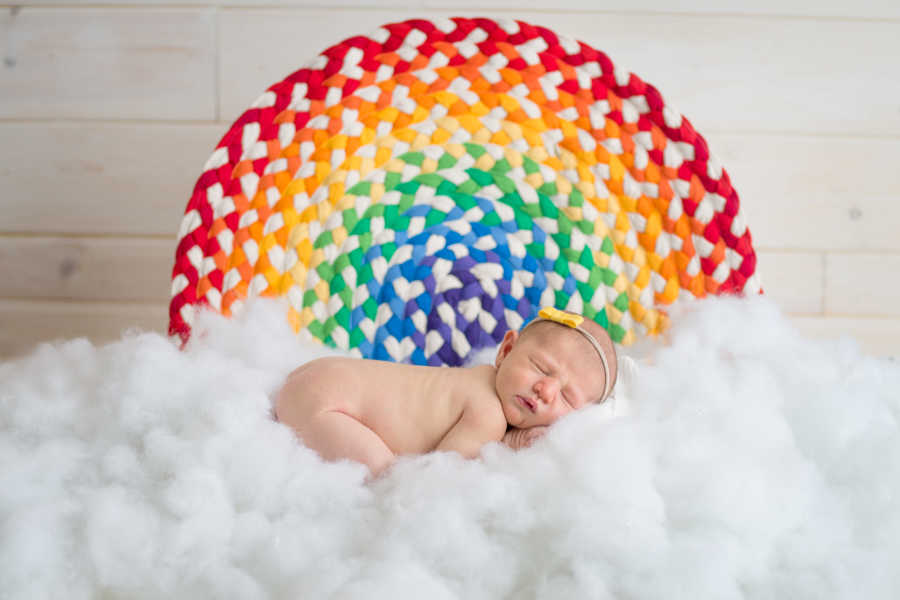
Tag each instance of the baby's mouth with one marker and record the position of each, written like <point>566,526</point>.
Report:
<point>528,403</point>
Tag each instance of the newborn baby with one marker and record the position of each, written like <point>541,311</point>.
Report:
<point>373,411</point>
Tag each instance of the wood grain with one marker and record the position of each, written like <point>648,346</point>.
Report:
<point>826,8</point>
<point>794,280</point>
<point>24,324</point>
<point>874,336</point>
<point>108,63</point>
<point>86,268</point>
<point>862,284</point>
<point>107,178</point>
<point>829,8</point>
<point>815,192</point>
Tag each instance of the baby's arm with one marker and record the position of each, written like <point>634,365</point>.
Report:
<point>473,430</point>
<point>522,438</point>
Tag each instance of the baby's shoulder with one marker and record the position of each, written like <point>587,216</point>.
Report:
<point>483,412</point>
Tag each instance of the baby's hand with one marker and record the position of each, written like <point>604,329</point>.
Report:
<point>522,438</point>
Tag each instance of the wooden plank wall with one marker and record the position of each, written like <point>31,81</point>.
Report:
<point>108,112</point>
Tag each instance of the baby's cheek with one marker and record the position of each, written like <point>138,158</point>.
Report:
<point>560,413</point>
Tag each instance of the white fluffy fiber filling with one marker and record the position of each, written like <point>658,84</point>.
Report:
<point>750,463</point>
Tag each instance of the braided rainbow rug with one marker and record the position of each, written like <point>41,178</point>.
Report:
<point>417,193</point>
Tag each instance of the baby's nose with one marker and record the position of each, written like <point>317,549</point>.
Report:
<point>547,389</point>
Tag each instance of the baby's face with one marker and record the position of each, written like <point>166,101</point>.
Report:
<point>545,374</point>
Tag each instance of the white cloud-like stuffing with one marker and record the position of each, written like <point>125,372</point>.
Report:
<point>750,463</point>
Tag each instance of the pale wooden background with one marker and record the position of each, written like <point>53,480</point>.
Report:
<point>108,112</point>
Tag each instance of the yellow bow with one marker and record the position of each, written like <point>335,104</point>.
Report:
<point>558,316</point>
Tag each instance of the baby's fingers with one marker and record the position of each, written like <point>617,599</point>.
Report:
<point>522,438</point>
<point>534,433</point>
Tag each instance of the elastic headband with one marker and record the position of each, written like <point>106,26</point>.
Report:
<point>548,313</point>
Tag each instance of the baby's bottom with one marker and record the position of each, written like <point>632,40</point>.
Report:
<point>328,427</point>
<point>320,410</point>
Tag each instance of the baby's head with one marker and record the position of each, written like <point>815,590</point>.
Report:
<point>558,363</point>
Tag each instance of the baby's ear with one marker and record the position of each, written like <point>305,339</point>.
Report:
<point>506,346</point>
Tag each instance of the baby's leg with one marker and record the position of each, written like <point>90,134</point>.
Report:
<point>335,435</point>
